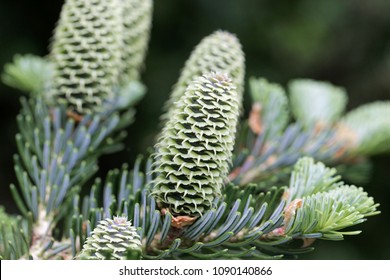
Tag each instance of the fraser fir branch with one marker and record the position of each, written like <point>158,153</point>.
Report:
<point>56,157</point>
<point>271,160</point>
<point>263,156</point>
<point>367,128</point>
<point>242,224</point>
<point>28,73</point>
<point>328,216</point>
<point>309,178</point>
<point>124,194</point>
<point>57,152</point>
<point>314,102</point>
<point>230,231</point>
<point>320,206</point>
<point>270,105</point>
<point>180,202</point>
<point>356,197</point>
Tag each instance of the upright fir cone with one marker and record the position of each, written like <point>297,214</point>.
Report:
<point>112,239</point>
<point>195,147</point>
<point>219,52</point>
<point>137,19</point>
<point>87,53</point>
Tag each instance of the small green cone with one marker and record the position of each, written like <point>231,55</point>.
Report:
<point>113,239</point>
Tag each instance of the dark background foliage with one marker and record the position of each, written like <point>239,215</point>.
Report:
<point>345,42</point>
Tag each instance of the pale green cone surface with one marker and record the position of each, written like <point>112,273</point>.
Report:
<point>195,147</point>
<point>219,52</point>
<point>86,52</point>
<point>137,18</point>
<point>114,239</point>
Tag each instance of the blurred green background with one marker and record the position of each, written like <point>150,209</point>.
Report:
<point>345,42</point>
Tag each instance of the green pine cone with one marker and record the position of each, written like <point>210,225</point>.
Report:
<point>218,52</point>
<point>137,18</point>
<point>87,53</point>
<point>112,239</point>
<point>195,147</point>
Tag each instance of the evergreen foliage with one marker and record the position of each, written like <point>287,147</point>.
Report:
<point>316,102</point>
<point>368,128</point>
<point>202,194</point>
<point>28,73</point>
<point>269,101</point>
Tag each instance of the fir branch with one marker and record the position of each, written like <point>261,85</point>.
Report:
<point>243,224</point>
<point>314,102</point>
<point>270,105</point>
<point>324,215</point>
<point>267,155</point>
<point>28,73</point>
<point>181,204</point>
<point>123,195</point>
<point>357,198</point>
<point>261,159</point>
<point>367,128</point>
<point>309,178</point>
<point>228,231</point>
<point>56,157</point>
<point>320,206</point>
